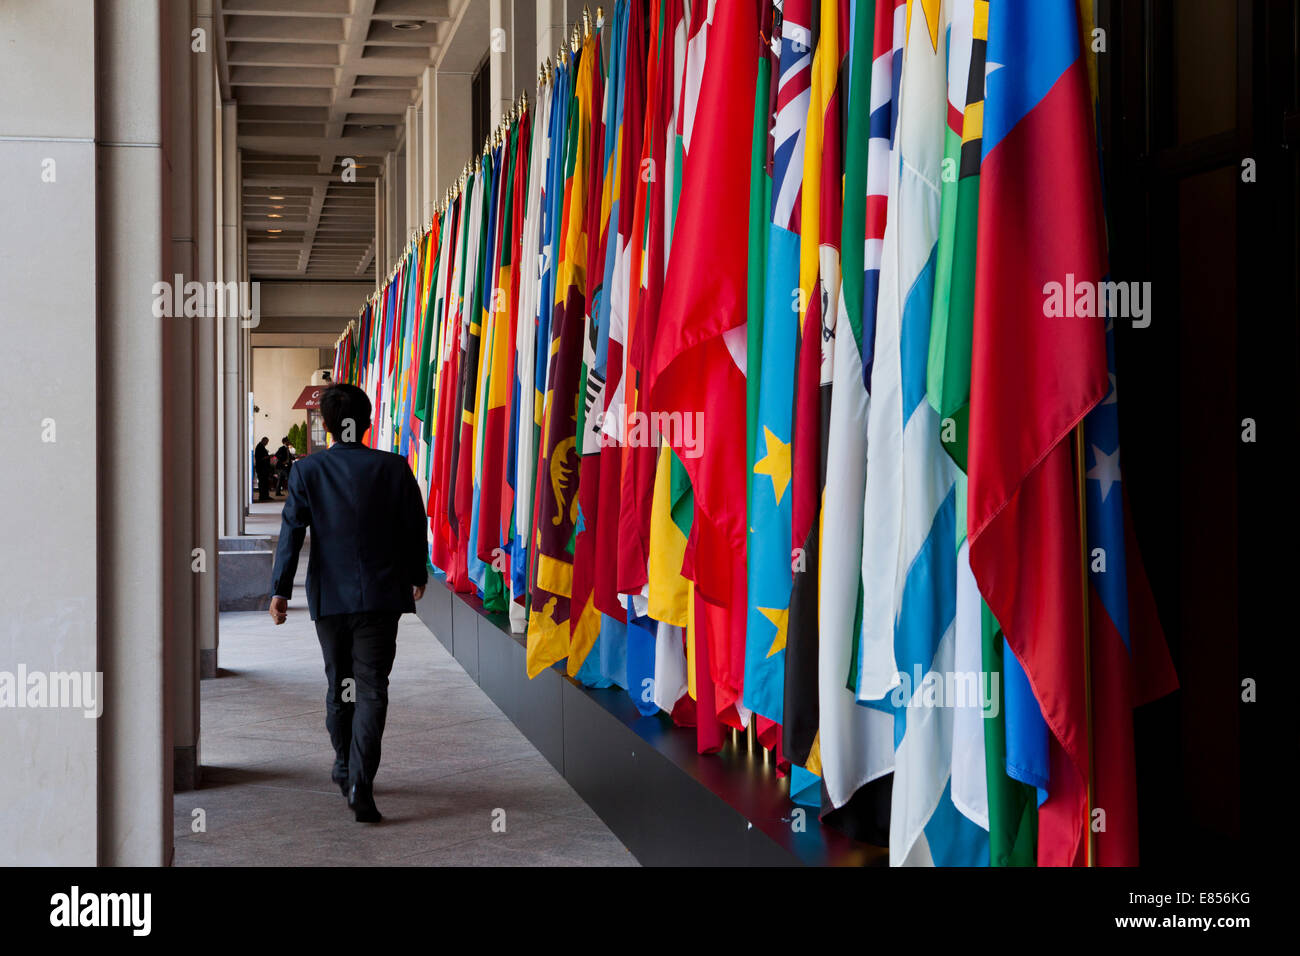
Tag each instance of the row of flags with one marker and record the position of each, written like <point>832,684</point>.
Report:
<point>726,374</point>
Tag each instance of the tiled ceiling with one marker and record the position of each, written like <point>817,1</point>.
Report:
<point>317,82</point>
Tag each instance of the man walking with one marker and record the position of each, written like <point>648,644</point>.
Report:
<point>366,567</point>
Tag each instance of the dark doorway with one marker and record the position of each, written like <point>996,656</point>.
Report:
<point>1200,148</point>
<point>480,98</point>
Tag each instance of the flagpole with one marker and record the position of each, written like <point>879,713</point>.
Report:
<point>1090,847</point>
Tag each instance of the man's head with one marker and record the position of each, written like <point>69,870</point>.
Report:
<point>265,439</point>
<point>346,410</point>
<point>284,440</point>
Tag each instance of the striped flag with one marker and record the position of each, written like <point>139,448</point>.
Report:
<point>909,566</point>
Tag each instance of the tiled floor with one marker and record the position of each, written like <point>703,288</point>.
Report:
<point>455,771</point>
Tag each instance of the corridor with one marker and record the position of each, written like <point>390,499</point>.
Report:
<point>452,763</point>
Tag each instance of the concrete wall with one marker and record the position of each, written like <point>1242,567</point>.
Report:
<point>81,575</point>
<point>48,425</point>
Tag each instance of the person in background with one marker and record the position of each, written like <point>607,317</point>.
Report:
<point>283,461</point>
<point>262,465</point>
<point>366,568</point>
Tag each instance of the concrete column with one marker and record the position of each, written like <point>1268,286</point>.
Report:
<point>390,210</point>
<point>48,426</point>
<point>381,227</point>
<point>233,406</point>
<point>135,741</point>
<point>501,71</point>
<point>429,188</point>
<point>451,147</point>
<point>410,192</point>
<point>554,20</point>
<point>242,345</point>
<point>207,425</point>
<point>219,159</point>
<point>176,455</point>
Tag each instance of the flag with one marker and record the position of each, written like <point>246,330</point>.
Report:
<point>585,625</point>
<point>556,509</point>
<point>1130,660</point>
<point>770,470</point>
<point>886,72</point>
<point>855,743</point>
<point>651,232</point>
<point>910,556</point>
<point>617,305</point>
<point>1034,378</point>
<point>819,285</point>
<point>497,390</point>
<point>532,264</point>
<point>697,362</point>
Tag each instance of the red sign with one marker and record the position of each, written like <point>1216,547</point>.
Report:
<point>310,397</point>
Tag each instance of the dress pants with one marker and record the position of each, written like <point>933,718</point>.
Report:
<point>361,647</point>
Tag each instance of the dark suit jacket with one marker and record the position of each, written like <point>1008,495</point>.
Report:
<point>368,534</point>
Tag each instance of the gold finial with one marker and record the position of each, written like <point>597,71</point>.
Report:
<point>574,39</point>
<point>600,18</point>
<point>586,22</point>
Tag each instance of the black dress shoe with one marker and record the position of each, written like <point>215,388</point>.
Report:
<point>339,774</point>
<point>362,802</point>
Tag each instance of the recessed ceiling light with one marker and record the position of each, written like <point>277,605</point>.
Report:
<point>275,197</point>
<point>406,25</point>
<point>277,207</point>
<point>274,215</point>
<point>274,230</point>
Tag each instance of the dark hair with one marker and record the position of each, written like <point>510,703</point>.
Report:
<point>285,439</point>
<point>265,439</point>
<point>340,403</point>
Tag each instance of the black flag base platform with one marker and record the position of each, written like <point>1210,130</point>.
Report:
<point>669,805</point>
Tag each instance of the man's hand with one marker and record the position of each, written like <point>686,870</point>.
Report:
<point>279,609</point>
<point>417,591</point>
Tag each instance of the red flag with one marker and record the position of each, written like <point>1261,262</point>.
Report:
<point>1033,379</point>
<point>637,481</point>
<point>698,359</point>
